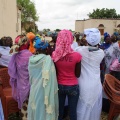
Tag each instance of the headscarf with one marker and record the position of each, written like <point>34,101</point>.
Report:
<point>39,44</point>
<point>21,43</point>
<point>116,34</point>
<point>106,35</point>
<point>93,36</point>
<point>31,37</point>
<point>63,45</point>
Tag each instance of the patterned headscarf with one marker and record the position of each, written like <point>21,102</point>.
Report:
<point>63,45</point>
<point>39,44</point>
<point>21,43</point>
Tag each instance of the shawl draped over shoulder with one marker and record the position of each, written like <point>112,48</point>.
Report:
<point>43,99</point>
<point>19,77</point>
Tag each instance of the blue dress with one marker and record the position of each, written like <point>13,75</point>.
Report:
<point>1,111</point>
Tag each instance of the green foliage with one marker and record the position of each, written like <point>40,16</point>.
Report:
<point>57,30</point>
<point>104,13</point>
<point>28,13</point>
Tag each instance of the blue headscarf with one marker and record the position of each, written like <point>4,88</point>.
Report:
<point>116,34</point>
<point>106,35</point>
<point>105,45</point>
<point>39,44</point>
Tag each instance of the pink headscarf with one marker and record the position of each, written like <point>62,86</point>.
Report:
<point>63,45</point>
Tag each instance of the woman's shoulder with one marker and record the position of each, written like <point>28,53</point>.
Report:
<point>76,55</point>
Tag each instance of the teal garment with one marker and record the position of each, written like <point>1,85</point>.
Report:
<point>43,99</point>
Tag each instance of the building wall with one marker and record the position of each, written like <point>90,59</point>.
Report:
<point>87,24</point>
<point>79,26</point>
<point>110,25</point>
<point>10,19</point>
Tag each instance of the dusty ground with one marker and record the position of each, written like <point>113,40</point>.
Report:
<point>15,117</point>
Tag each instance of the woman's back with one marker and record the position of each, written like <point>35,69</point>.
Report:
<point>90,63</point>
<point>66,68</point>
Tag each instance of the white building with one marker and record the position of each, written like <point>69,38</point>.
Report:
<point>104,25</point>
<point>10,18</point>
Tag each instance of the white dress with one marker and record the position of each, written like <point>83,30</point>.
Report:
<point>90,99</point>
<point>5,58</point>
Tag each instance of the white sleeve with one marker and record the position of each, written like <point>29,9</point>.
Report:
<point>74,45</point>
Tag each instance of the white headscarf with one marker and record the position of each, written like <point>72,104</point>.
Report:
<point>93,36</point>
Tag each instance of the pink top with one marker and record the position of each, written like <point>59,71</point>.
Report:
<point>66,69</point>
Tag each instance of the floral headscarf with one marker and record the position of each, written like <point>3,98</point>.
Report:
<point>21,43</point>
<point>63,45</point>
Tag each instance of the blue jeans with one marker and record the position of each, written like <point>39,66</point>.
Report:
<point>72,92</point>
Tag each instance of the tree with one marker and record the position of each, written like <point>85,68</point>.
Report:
<point>104,13</point>
<point>57,30</point>
<point>28,14</point>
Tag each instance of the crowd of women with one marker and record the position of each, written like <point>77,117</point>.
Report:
<point>47,76</point>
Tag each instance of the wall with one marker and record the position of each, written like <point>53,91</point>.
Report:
<point>79,26</point>
<point>10,19</point>
<point>109,24</point>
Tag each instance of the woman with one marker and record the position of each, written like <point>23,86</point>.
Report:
<point>18,71</point>
<point>6,43</point>
<point>43,99</point>
<point>52,43</point>
<point>105,46</point>
<point>90,99</point>
<point>115,65</point>
<point>67,64</point>
<point>111,53</point>
<point>83,41</point>
<point>107,41</point>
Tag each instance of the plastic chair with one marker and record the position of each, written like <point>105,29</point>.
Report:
<point>111,87</point>
<point>2,66</point>
<point>8,103</point>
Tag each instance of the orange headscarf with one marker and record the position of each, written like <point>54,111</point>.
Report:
<point>31,37</point>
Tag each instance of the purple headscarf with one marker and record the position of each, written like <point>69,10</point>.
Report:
<point>19,77</point>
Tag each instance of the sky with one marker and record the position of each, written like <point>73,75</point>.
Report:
<point>61,14</point>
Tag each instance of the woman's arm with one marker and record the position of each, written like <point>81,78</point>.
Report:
<point>78,69</point>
